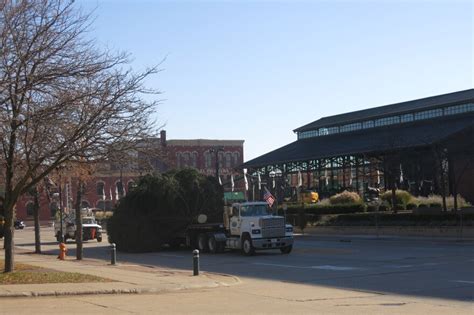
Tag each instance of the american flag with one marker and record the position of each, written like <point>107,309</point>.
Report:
<point>268,197</point>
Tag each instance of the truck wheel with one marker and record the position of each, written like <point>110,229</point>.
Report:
<point>99,238</point>
<point>286,249</point>
<point>247,247</point>
<point>58,237</point>
<point>202,243</point>
<point>212,244</point>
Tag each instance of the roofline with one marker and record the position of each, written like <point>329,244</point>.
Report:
<point>306,127</point>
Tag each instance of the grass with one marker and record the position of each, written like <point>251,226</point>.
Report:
<point>28,274</point>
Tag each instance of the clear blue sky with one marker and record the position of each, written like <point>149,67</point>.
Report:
<point>256,70</point>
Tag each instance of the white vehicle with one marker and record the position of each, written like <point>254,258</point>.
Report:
<point>247,226</point>
<point>90,229</point>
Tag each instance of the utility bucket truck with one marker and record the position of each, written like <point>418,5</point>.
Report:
<point>247,226</point>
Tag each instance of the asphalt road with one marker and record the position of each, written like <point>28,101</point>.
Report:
<point>424,269</point>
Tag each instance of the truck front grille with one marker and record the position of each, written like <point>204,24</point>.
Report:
<point>273,232</point>
<point>273,227</point>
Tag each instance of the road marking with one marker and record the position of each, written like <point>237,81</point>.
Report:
<point>463,281</point>
<point>430,264</point>
<point>323,267</point>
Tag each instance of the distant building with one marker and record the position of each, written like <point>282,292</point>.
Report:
<point>424,146</point>
<point>113,180</point>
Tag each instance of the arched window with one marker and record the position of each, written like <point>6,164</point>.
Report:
<point>118,190</point>
<point>207,159</point>
<point>186,158</point>
<point>236,156</point>
<point>100,188</point>
<point>228,160</point>
<point>194,157</point>
<point>30,208</point>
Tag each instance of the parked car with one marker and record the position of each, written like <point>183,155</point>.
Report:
<point>19,225</point>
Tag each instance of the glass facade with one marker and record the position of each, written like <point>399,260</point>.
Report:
<point>390,120</point>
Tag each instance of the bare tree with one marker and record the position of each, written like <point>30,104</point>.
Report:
<point>62,100</point>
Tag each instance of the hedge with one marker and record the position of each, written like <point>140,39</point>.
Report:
<point>327,209</point>
<point>400,219</point>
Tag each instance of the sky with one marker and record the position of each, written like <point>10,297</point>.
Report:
<point>256,70</point>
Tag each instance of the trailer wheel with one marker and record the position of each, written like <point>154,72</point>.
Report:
<point>286,249</point>
<point>212,244</point>
<point>247,247</point>
<point>202,243</point>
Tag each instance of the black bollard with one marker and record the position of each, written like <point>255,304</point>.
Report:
<point>195,262</point>
<point>113,254</point>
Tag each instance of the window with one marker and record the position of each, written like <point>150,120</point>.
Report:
<point>207,159</point>
<point>236,156</point>
<point>118,189</point>
<point>387,121</point>
<point>30,208</point>
<point>458,109</point>
<point>351,127</point>
<point>100,188</point>
<point>194,159</point>
<point>407,118</point>
<point>228,160</point>
<point>368,124</point>
<point>427,114</point>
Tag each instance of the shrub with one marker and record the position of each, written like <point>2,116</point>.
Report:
<point>372,207</point>
<point>399,207</point>
<point>435,205</point>
<point>402,197</point>
<point>346,197</point>
<point>384,206</point>
<point>438,199</point>
<point>411,206</point>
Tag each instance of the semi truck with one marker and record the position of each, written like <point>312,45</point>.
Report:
<point>246,226</point>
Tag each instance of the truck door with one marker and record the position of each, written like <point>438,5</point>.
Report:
<point>235,221</point>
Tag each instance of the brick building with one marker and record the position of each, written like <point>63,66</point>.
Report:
<point>111,181</point>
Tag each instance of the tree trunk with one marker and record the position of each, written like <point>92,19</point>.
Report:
<point>37,224</point>
<point>8,241</point>
<point>79,245</point>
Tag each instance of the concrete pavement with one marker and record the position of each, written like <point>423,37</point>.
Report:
<point>126,278</point>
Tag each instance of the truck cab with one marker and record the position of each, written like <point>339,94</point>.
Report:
<point>252,226</point>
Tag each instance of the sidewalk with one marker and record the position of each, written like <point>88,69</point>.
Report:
<point>128,278</point>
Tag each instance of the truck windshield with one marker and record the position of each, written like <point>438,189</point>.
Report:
<point>254,210</point>
<point>88,221</point>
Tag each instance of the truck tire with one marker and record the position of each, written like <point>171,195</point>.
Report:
<point>286,249</point>
<point>202,243</point>
<point>212,244</point>
<point>58,237</point>
<point>99,238</point>
<point>247,246</point>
